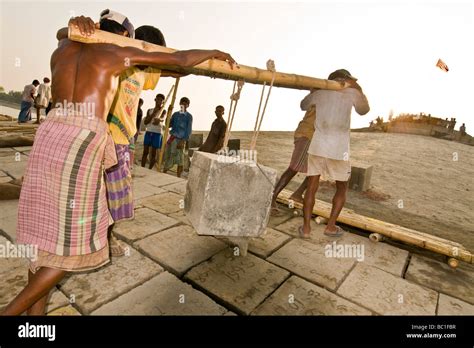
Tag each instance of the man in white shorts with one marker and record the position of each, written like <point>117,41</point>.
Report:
<point>328,153</point>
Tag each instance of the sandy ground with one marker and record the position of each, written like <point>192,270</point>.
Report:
<point>420,182</point>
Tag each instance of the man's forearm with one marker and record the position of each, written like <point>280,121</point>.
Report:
<point>191,58</point>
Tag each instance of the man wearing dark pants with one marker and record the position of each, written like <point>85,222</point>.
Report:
<point>328,153</point>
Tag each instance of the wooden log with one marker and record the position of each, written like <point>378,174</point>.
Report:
<point>376,237</point>
<point>213,67</point>
<point>423,240</point>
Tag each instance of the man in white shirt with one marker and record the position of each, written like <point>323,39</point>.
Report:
<point>328,153</point>
<point>27,100</point>
<point>44,97</point>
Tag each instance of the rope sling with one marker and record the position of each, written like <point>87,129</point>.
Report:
<point>234,99</point>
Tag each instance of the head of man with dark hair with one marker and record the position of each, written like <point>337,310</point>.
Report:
<point>184,101</point>
<point>36,83</point>
<point>116,23</point>
<point>150,34</point>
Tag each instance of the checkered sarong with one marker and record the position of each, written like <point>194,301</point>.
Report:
<point>63,205</point>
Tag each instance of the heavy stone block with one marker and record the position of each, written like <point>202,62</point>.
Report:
<point>361,173</point>
<point>228,197</point>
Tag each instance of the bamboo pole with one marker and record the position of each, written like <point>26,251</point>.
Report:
<point>396,232</point>
<point>167,125</point>
<point>212,67</point>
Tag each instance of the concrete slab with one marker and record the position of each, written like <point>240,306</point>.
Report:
<point>298,297</point>
<point>153,177</point>
<point>308,260</point>
<point>64,311</point>
<point>179,248</point>
<point>22,148</point>
<point>8,222</point>
<point>387,294</point>
<point>92,289</point>
<point>145,223</point>
<point>228,196</point>
<point>268,243</point>
<point>181,216</point>
<point>278,220</point>
<point>165,203</point>
<point>448,305</point>
<point>179,187</point>
<point>5,179</point>
<point>56,300</point>
<point>162,295</point>
<point>13,281</point>
<point>142,189</point>
<point>439,276</point>
<point>241,282</point>
<point>16,169</point>
<point>9,263</point>
<point>380,255</point>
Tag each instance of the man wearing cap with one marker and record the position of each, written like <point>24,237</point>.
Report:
<point>328,153</point>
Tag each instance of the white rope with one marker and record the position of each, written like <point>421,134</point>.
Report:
<point>259,118</point>
<point>234,100</point>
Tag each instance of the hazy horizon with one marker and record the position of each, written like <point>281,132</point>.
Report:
<point>392,47</point>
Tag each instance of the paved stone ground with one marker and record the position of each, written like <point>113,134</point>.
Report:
<point>170,270</point>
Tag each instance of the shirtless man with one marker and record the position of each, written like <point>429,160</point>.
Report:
<point>63,205</point>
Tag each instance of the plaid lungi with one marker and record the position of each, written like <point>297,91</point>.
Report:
<point>173,153</point>
<point>63,204</point>
<point>299,158</point>
<point>118,180</point>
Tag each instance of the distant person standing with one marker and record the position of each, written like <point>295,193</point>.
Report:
<point>181,125</point>
<point>328,153</point>
<point>27,100</point>
<point>154,128</point>
<point>215,139</point>
<point>462,130</point>
<point>43,99</point>
<point>139,119</point>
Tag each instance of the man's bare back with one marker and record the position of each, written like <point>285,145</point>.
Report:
<point>88,73</point>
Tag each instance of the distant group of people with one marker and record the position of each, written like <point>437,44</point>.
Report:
<point>35,95</point>
<point>180,125</point>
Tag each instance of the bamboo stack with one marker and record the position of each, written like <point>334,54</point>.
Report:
<point>212,68</point>
<point>423,240</point>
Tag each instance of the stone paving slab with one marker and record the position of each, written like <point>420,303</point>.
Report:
<point>269,242</point>
<point>308,260</point>
<point>142,189</point>
<point>7,151</point>
<point>65,311</point>
<point>10,263</point>
<point>179,187</point>
<point>274,221</point>
<point>153,177</point>
<point>299,297</point>
<point>162,295</point>
<point>5,179</point>
<point>93,289</point>
<point>179,248</point>
<point>22,148</point>
<point>145,223</point>
<point>448,305</point>
<point>380,255</point>
<point>3,174</point>
<point>241,282</point>
<point>181,216</point>
<point>387,294</point>
<point>439,276</point>
<point>56,300</point>
<point>8,221</point>
<point>15,169</point>
<point>12,282</point>
<point>165,203</point>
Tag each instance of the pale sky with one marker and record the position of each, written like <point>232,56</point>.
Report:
<point>392,47</point>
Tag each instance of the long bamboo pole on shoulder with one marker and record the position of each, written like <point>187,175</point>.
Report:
<point>212,67</point>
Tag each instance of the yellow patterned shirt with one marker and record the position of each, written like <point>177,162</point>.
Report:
<point>123,112</point>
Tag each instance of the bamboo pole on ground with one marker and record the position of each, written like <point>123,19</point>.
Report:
<point>167,125</point>
<point>423,240</point>
<point>213,67</point>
